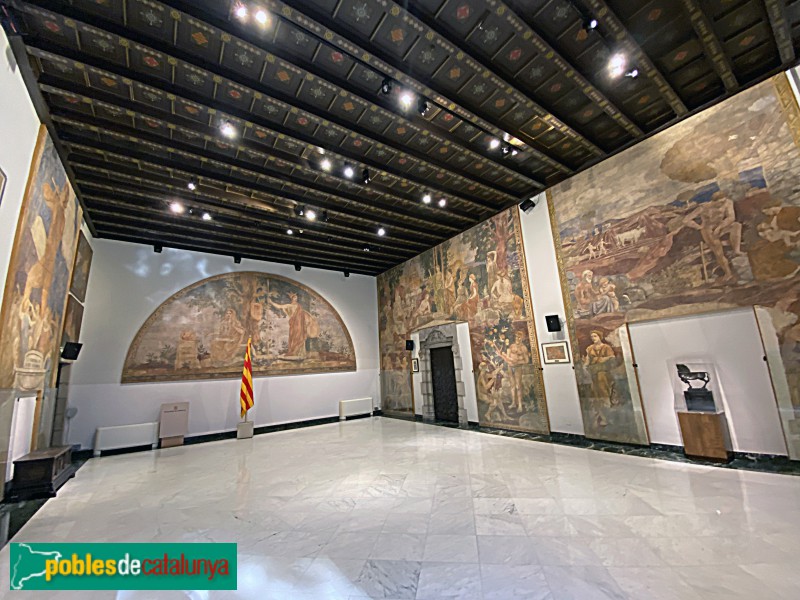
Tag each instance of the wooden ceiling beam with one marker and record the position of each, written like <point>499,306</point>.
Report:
<point>207,230</point>
<point>172,52</point>
<point>713,49</point>
<point>235,165</point>
<point>602,11</point>
<point>137,235</point>
<point>223,179</point>
<point>239,223</point>
<point>52,84</point>
<point>781,29</point>
<point>335,227</point>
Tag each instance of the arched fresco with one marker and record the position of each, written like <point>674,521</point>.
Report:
<point>201,332</point>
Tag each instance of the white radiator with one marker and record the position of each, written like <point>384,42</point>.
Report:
<point>352,408</point>
<point>125,436</point>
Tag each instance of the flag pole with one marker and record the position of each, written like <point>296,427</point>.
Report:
<point>246,399</point>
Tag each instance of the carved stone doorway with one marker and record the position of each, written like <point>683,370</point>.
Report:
<point>431,338</point>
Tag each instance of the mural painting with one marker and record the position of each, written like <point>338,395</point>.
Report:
<point>73,318</point>
<point>80,274</point>
<point>39,273</point>
<point>478,277</point>
<point>701,217</point>
<point>201,332</point>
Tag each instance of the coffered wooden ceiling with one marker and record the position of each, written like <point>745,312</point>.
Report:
<point>136,93</point>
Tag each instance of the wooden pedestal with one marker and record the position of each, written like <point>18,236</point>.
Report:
<point>705,435</point>
<point>40,473</point>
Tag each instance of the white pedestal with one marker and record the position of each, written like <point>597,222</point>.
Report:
<point>244,430</point>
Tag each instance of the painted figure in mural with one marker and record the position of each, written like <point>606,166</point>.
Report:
<point>597,361</point>
<point>516,357</point>
<point>229,336</point>
<point>606,299</point>
<point>486,387</point>
<point>302,325</point>
<point>503,292</point>
<point>491,267</point>
<point>473,299</point>
<point>715,219</point>
<point>585,293</point>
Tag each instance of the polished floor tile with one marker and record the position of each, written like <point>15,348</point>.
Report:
<point>383,508</point>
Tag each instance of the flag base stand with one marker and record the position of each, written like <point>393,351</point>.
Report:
<point>244,430</point>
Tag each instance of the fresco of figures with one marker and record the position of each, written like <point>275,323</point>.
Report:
<point>80,274</point>
<point>201,332</point>
<point>39,274</point>
<point>702,217</point>
<point>478,277</point>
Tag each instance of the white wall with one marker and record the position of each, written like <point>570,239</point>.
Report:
<point>560,387</point>
<point>128,281</point>
<point>18,128</point>
<point>729,340</point>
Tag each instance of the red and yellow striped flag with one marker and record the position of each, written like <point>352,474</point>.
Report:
<point>246,394</point>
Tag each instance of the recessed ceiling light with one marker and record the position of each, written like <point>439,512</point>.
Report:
<point>192,185</point>
<point>381,231</point>
<point>349,172</point>
<point>289,232</point>
<point>426,198</point>
<point>325,165</point>
<point>241,11</point>
<point>406,99</point>
<point>206,216</point>
<point>590,23</point>
<point>616,65</point>
<point>261,16</point>
<point>227,129</point>
<point>311,214</point>
<point>494,144</point>
<point>442,202</point>
<point>177,208</point>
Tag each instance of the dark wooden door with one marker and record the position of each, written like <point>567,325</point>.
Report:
<point>445,400</point>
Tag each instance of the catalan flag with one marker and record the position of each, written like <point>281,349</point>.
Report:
<point>246,394</point>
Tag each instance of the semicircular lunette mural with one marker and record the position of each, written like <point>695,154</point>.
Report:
<point>201,332</point>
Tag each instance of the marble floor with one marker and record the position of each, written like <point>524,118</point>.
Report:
<point>384,508</point>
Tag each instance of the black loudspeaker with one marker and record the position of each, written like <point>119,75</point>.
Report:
<point>410,345</point>
<point>71,350</point>
<point>553,323</point>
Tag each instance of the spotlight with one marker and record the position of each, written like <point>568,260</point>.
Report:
<point>527,205</point>
<point>227,129</point>
<point>633,73</point>
<point>406,99</point>
<point>506,149</point>
<point>422,106</point>
<point>299,210</point>
<point>616,65</point>
<point>590,23</point>
<point>426,198</point>
<point>381,231</point>
<point>347,273</point>
<point>192,185</point>
<point>311,214</point>
<point>241,12</point>
<point>237,259</point>
<point>442,202</point>
<point>325,165</point>
<point>157,248</point>
<point>177,208</point>
<point>386,87</point>
<point>206,216</point>
<point>366,248</point>
<point>349,172</point>
<point>494,144</point>
<point>289,232</point>
<point>324,217</point>
<point>261,16</point>
<point>297,267</point>
<point>365,176</point>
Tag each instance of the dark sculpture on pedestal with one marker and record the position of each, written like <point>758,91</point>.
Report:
<point>698,399</point>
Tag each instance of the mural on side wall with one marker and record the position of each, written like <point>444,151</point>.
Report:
<point>80,274</point>
<point>478,277</point>
<point>73,318</point>
<point>701,217</point>
<point>201,332</point>
<point>39,273</point>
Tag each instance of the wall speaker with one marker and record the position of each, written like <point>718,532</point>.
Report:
<point>527,205</point>
<point>410,345</point>
<point>71,350</point>
<point>553,323</point>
